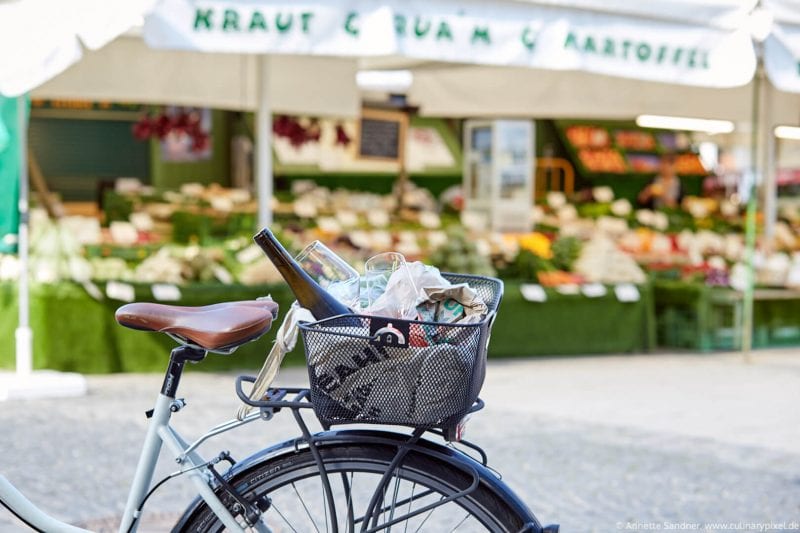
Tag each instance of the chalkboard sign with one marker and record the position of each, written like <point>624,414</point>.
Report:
<point>382,134</point>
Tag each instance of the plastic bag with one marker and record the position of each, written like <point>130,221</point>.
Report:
<point>403,291</point>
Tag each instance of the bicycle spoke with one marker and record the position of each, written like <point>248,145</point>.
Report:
<point>378,511</point>
<point>348,488</point>
<point>459,524</point>
<point>394,501</point>
<point>273,506</point>
<point>405,504</point>
<point>411,499</point>
<point>427,516</point>
<point>303,503</point>
<point>408,501</point>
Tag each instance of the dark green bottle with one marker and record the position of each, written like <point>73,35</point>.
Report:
<point>307,291</point>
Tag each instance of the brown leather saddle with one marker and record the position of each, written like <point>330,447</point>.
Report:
<point>219,327</point>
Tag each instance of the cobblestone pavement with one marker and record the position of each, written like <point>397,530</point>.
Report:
<point>601,444</point>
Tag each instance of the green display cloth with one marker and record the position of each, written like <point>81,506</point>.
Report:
<point>572,324</point>
<point>9,173</point>
<point>69,329</point>
<point>74,332</point>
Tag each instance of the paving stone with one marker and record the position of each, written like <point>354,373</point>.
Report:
<point>594,443</point>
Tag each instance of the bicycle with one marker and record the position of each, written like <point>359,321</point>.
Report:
<point>346,480</point>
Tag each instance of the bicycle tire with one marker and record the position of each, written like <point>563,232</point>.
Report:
<point>484,509</point>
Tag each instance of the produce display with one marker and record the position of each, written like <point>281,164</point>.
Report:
<point>605,160</point>
<point>194,236</point>
<point>621,148</point>
<point>588,136</point>
<point>589,258</point>
<point>637,140</point>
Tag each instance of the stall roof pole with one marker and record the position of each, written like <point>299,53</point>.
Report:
<point>23,335</point>
<point>264,145</point>
<point>752,204</point>
<point>767,156</point>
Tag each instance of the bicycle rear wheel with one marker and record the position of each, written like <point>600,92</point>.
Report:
<point>297,500</point>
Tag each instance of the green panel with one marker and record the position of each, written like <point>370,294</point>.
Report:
<point>450,139</point>
<point>436,184</point>
<point>72,331</point>
<point>9,173</point>
<point>169,175</point>
<point>448,174</point>
<point>76,154</point>
<point>9,319</point>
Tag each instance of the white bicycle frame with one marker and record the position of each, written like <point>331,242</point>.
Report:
<point>159,432</point>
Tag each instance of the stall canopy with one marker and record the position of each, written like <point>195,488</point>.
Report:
<point>571,58</point>
<point>679,41</point>
<point>127,70</point>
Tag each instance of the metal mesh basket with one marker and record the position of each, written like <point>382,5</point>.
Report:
<point>381,370</point>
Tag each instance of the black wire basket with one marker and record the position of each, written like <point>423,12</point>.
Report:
<point>378,370</point>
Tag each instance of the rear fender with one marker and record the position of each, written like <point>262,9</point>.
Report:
<point>340,437</point>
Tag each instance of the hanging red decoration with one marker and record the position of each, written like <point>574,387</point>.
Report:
<point>143,128</point>
<point>163,125</point>
<point>182,122</point>
<point>341,135</point>
<point>292,129</point>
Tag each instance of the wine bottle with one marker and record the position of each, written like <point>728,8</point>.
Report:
<point>307,291</point>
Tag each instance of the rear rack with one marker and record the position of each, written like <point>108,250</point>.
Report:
<point>275,398</point>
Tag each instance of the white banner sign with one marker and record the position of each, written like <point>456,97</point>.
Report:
<point>493,33</point>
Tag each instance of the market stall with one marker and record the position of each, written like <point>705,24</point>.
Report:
<point>594,263</point>
<point>542,277</point>
<point>86,271</point>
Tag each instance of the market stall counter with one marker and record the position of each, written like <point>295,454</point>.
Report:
<point>701,317</point>
<point>74,331</point>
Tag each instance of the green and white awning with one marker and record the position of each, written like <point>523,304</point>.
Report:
<point>612,38</point>
<point>9,172</point>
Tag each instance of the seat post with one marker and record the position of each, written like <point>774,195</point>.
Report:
<point>177,358</point>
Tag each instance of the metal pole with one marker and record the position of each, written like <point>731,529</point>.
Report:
<point>767,156</point>
<point>750,218</point>
<point>23,334</point>
<point>264,144</point>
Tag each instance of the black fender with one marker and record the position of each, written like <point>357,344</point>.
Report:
<point>360,436</point>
